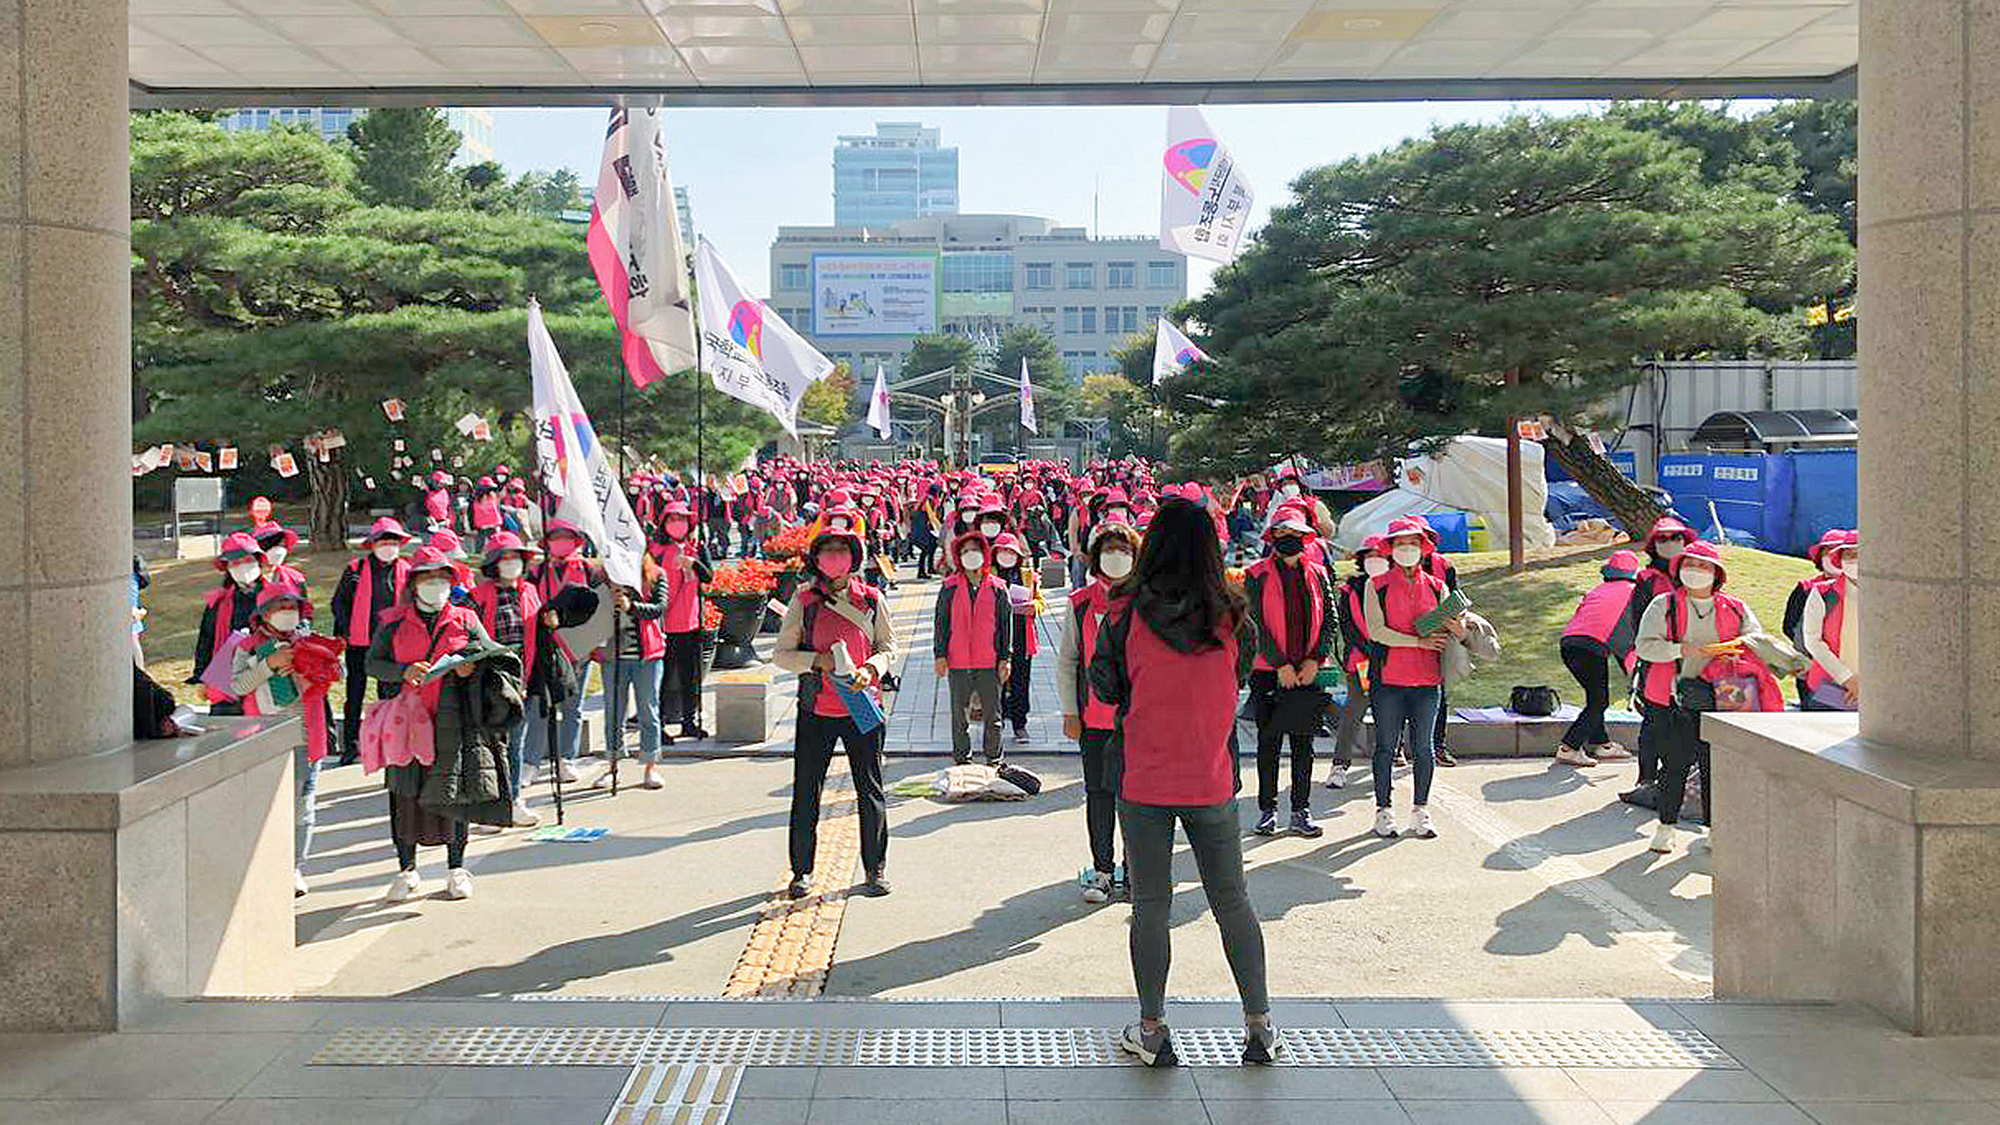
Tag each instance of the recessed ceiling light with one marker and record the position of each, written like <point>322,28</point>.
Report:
<point>1361,24</point>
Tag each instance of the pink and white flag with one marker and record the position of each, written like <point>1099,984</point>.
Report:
<point>878,404</point>
<point>1027,400</point>
<point>636,250</point>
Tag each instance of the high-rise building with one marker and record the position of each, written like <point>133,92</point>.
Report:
<point>899,173</point>
<point>475,126</point>
<point>862,293</point>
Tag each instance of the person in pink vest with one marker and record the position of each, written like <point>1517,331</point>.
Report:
<point>1291,612</point>
<point>685,562</point>
<point>1169,658</point>
<point>972,634</point>
<point>439,507</point>
<point>1822,557</point>
<point>1438,565</point>
<point>1011,565</point>
<point>567,564</point>
<point>1831,630</point>
<point>633,662</point>
<point>1601,630</point>
<point>835,610</point>
<point>1087,719</point>
<point>226,608</point>
<point>1664,542</point>
<point>1680,636</point>
<point>510,608</point>
<point>424,628</point>
<point>1370,563</point>
<point>1409,677</point>
<point>277,542</point>
<point>368,590</point>
<point>485,511</point>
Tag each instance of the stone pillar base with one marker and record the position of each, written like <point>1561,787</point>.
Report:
<point>1847,870</point>
<point>747,704</point>
<point>159,870</point>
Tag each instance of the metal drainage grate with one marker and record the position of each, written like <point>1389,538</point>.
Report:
<point>677,1095</point>
<point>1020,1047</point>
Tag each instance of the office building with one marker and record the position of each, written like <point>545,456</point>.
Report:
<point>901,172</point>
<point>475,126</point>
<point>862,293</point>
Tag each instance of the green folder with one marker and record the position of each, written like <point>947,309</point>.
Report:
<point>1455,602</point>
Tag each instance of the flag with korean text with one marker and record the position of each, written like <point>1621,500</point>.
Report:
<point>573,465</point>
<point>750,352</point>
<point>1205,200</point>
<point>634,240</point>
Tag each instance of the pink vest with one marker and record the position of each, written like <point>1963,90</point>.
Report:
<point>413,642</point>
<point>1597,616</point>
<point>683,591</point>
<point>1088,606</point>
<point>1404,600</point>
<point>1660,677</point>
<point>363,614</point>
<point>972,622</point>
<point>1834,590</point>
<point>830,628</point>
<point>1179,714</point>
<point>486,596</point>
<point>1357,657</point>
<point>1273,607</point>
<point>486,512</point>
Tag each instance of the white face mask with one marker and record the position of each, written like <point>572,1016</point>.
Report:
<point>1698,580</point>
<point>1288,490</point>
<point>839,523</point>
<point>274,555</point>
<point>387,552</point>
<point>1375,566</point>
<point>1005,559</point>
<point>244,573</point>
<point>1115,564</point>
<point>989,528</point>
<point>1671,549</point>
<point>1117,515</point>
<point>431,595</point>
<point>509,569</point>
<point>283,621</point>
<point>1407,555</point>
<point>1851,567</point>
<point>972,560</point>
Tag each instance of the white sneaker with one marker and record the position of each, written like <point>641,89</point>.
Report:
<point>298,883</point>
<point>566,770</point>
<point>530,774</point>
<point>484,829</point>
<point>458,884</point>
<point>1663,839</point>
<point>1420,824</point>
<point>1338,778</point>
<point>1096,886</point>
<point>1385,823</point>
<point>651,779</point>
<point>1570,755</point>
<point>524,817</point>
<point>402,887</point>
<point>1610,752</point>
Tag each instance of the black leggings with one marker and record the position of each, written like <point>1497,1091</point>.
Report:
<point>1681,747</point>
<point>1594,676</point>
<point>406,851</point>
<point>1100,799</point>
<point>683,670</point>
<point>1014,703</point>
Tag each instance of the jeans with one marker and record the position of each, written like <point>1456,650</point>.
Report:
<point>1100,799</point>
<point>530,728</point>
<point>1588,665</point>
<point>1020,669</point>
<point>811,755</point>
<point>568,720</point>
<point>1397,707</point>
<point>642,677</point>
<point>1216,838</point>
<point>308,806</point>
<point>1350,720</point>
<point>965,684</point>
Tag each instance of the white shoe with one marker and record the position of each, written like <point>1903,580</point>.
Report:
<point>530,774</point>
<point>404,886</point>
<point>1385,823</point>
<point>1570,755</point>
<point>651,779</point>
<point>524,817</point>
<point>458,884</point>
<point>1610,752</point>
<point>1338,778</point>
<point>1663,839</point>
<point>298,883</point>
<point>484,829</point>
<point>566,770</point>
<point>1420,824</point>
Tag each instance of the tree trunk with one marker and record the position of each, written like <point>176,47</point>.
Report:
<point>1629,504</point>
<point>328,521</point>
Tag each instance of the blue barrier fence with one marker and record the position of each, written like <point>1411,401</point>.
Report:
<point>1775,501</point>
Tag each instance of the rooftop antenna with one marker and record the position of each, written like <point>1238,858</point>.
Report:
<point>1094,229</point>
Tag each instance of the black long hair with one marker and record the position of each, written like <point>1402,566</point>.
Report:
<point>1178,585</point>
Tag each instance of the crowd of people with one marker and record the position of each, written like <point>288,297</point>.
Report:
<point>463,628</point>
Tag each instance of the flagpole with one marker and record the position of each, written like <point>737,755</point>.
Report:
<point>616,749</point>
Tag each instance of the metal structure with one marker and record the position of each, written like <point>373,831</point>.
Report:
<point>953,399</point>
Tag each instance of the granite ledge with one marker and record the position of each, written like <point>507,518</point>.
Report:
<point>104,792</point>
<point>1825,749</point>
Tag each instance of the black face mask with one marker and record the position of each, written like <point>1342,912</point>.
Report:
<point>1290,545</point>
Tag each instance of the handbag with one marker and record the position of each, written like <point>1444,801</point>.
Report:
<point>1540,701</point>
<point>1692,693</point>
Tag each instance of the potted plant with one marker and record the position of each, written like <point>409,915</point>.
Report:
<point>740,589</point>
<point>787,551</point>
<point>711,631</point>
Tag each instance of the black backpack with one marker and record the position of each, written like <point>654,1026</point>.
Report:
<point>1540,701</point>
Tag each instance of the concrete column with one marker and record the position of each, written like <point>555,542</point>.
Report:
<point>65,379</point>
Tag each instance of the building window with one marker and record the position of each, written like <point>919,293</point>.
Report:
<point>1080,275</point>
<point>1153,313</point>
<point>1121,275</point>
<point>1160,275</point>
<point>1041,275</point>
<point>1088,316</point>
<point>979,272</point>
<point>794,275</point>
<point>1072,320</point>
<point>1121,318</point>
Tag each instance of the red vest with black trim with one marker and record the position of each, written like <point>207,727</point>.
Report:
<point>1834,590</point>
<point>414,641</point>
<point>1088,606</point>
<point>1271,609</point>
<point>683,613</point>
<point>972,621</point>
<point>1404,599</point>
<point>1659,682</point>
<point>486,597</point>
<point>364,614</point>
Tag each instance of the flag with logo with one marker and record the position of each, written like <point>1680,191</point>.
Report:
<point>878,403</point>
<point>572,463</point>
<point>750,352</point>
<point>1027,400</point>
<point>636,251</point>
<point>1204,198</point>
<point>1172,351</point>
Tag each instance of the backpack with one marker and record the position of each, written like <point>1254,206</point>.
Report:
<point>1540,701</point>
<point>1021,779</point>
<point>1795,616</point>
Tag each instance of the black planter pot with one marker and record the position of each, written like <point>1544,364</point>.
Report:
<point>708,650</point>
<point>788,584</point>
<point>741,615</point>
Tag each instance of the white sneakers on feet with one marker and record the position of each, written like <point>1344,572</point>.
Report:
<point>1338,778</point>
<point>1420,824</point>
<point>524,817</point>
<point>458,884</point>
<point>566,770</point>
<point>651,778</point>
<point>1663,839</point>
<point>1573,756</point>
<point>402,887</point>
<point>530,773</point>
<point>1385,823</point>
<point>1610,752</point>
<point>484,829</point>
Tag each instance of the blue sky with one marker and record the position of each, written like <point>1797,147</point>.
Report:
<point>750,171</point>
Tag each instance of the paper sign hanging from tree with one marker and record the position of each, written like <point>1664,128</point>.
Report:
<point>466,422</point>
<point>437,455</point>
<point>483,431</point>
<point>204,462</point>
<point>393,407</point>
<point>286,465</point>
<point>225,457</point>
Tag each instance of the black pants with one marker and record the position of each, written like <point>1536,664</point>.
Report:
<point>1015,704</point>
<point>1444,708</point>
<point>406,850</point>
<point>1100,799</point>
<point>1681,747</point>
<point>925,549</point>
<point>1271,746</point>
<point>1593,674</point>
<point>1651,730</point>
<point>357,695</point>
<point>810,758</point>
<point>683,671</point>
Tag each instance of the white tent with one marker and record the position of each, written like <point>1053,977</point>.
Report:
<point>1469,475</point>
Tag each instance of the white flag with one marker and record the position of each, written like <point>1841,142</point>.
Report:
<point>1204,199</point>
<point>1172,351</point>
<point>1027,400</point>
<point>752,354</point>
<point>634,240</point>
<point>573,466</point>
<point>878,403</point>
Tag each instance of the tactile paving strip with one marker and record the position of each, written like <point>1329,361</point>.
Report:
<point>1021,1047</point>
<point>677,1094</point>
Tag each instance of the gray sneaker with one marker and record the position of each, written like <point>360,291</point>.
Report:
<point>1261,1045</point>
<point>1156,1049</point>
